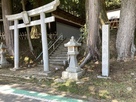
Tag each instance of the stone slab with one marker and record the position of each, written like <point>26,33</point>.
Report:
<point>73,76</point>
<point>105,50</point>
<point>103,77</point>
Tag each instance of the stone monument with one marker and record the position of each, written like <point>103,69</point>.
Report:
<point>105,50</point>
<point>73,71</point>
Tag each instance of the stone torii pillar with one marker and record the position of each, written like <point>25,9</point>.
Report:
<point>25,16</point>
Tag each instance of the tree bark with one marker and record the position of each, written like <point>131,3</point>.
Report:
<point>103,14</point>
<point>125,35</point>
<point>87,12</point>
<point>94,10</point>
<point>7,10</point>
<point>93,21</point>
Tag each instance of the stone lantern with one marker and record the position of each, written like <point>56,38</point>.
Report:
<point>3,61</point>
<point>73,71</point>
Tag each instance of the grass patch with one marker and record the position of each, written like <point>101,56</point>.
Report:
<point>68,86</point>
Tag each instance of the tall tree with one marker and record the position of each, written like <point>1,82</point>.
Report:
<point>94,11</point>
<point>7,10</point>
<point>95,16</point>
<point>125,35</point>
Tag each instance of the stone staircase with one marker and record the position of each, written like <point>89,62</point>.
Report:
<point>59,56</point>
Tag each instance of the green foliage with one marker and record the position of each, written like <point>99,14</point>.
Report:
<point>112,4</point>
<point>17,6</point>
<point>69,86</point>
<point>48,82</point>
<point>84,34</point>
<point>74,7</point>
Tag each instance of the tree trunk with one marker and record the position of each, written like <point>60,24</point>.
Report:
<point>103,15</point>
<point>7,10</point>
<point>87,13</point>
<point>125,35</point>
<point>93,29</point>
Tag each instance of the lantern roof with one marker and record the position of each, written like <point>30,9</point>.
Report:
<point>72,42</point>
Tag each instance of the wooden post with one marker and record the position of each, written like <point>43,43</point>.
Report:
<point>44,43</point>
<point>105,50</point>
<point>16,45</point>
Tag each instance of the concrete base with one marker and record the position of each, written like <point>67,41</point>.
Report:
<point>103,77</point>
<point>70,75</point>
<point>15,69</point>
<point>73,69</point>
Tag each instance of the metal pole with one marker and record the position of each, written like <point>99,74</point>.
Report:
<point>44,43</point>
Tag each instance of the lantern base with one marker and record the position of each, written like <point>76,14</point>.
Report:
<point>73,69</point>
<point>73,76</point>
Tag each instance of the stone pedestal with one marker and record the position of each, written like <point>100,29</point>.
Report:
<point>71,75</point>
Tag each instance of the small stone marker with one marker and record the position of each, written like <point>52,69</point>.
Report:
<point>105,50</point>
<point>73,71</point>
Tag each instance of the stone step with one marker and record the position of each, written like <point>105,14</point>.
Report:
<point>57,60</point>
<point>57,63</point>
<point>65,52</point>
<point>58,57</point>
<point>62,48</point>
<point>60,52</point>
<point>53,67</point>
<point>57,67</point>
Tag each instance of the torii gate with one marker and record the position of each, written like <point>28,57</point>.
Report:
<point>27,23</point>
